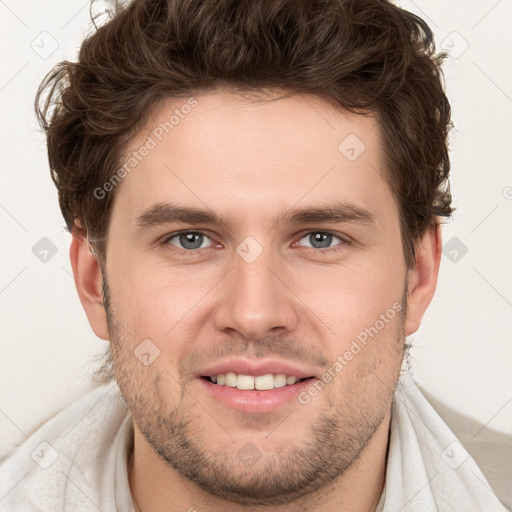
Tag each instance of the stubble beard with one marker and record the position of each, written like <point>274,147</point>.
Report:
<point>336,439</point>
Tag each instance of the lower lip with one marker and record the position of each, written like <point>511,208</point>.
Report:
<point>255,401</point>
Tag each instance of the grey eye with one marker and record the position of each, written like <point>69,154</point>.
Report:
<point>320,239</point>
<point>188,240</point>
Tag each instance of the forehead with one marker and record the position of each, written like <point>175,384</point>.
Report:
<point>237,155</point>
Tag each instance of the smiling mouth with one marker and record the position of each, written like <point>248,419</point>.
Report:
<point>251,382</point>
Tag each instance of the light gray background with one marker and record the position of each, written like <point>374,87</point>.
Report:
<point>462,353</point>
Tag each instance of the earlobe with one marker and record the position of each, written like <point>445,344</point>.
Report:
<point>89,283</point>
<point>423,277</point>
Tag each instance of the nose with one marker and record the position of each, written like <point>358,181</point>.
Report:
<point>256,300</point>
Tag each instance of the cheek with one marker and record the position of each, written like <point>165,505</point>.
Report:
<point>149,339</point>
<point>161,304</point>
<point>366,351</point>
<point>348,299</point>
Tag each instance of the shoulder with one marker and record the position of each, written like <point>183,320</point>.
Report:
<point>428,466</point>
<point>60,460</point>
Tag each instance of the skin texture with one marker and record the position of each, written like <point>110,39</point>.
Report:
<point>249,162</point>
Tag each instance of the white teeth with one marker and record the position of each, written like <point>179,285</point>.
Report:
<point>245,382</point>
<point>280,380</point>
<point>261,382</point>
<point>230,379</point>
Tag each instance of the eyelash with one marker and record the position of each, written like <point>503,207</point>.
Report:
<point>194,252</point>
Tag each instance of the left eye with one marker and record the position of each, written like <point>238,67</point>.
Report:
<point>320,239</point>
<point>188,240</point>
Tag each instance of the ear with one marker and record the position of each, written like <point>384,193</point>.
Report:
<point>423,277</point>
<point>89,284</point>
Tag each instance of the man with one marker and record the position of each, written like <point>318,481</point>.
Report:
<point>254,192</point>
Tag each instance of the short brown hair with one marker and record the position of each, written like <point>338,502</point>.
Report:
<point>366,56</point>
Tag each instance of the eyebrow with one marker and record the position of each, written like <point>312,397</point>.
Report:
<point>168,213</point>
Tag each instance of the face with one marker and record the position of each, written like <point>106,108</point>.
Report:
<point>289,276</point>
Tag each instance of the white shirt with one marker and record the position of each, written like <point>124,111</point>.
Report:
<point>77,461</point>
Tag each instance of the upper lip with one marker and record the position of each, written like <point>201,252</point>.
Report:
<point>255,368</point>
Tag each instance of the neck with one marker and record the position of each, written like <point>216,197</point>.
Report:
<point>158,487</point>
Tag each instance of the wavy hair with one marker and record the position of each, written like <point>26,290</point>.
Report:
<point>368,57</point>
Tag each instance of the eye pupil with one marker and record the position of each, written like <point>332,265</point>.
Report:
<point>323,239</point>
<point>190,240</point>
